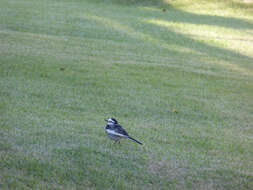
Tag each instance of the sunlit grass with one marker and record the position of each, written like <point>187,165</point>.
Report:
<point>226,38</point>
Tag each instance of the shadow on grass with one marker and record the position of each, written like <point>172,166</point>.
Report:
<point>167,38</point>
<point>210,20</point>
<point>173,37</point>
<point>245,4</point>
<point>134,2</point>
<point>193,18</point>
<point>146,27</point>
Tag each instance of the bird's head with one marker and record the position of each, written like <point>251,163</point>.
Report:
<point>111,121</point>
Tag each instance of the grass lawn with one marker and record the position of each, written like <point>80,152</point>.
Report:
<point>178,75</point>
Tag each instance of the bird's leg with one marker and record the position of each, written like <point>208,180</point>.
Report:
<point>117,141</point>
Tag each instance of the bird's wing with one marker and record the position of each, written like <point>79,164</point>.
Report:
<point>120,130</point>
<point>112,132</point>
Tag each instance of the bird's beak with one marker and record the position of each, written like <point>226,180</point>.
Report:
<point>106,120</point>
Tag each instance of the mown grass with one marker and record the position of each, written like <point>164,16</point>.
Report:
<point>178,80</point>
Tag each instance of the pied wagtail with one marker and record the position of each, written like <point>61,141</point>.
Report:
<point>115,131</point>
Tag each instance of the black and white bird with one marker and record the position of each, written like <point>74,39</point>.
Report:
<point>116,132</point>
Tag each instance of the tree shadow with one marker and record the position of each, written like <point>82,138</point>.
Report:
<point>134,2</point>
<point>211,20</point>
<point>247,5</point>
<point>188,17</point>
<point>166,38</point>
<point>176,15</point>
<point>191,43</point>
<point>162,37</point>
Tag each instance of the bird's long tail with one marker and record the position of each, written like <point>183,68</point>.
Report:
<point>134,140</point>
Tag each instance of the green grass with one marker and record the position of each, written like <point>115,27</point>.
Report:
<point>65,65</point>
